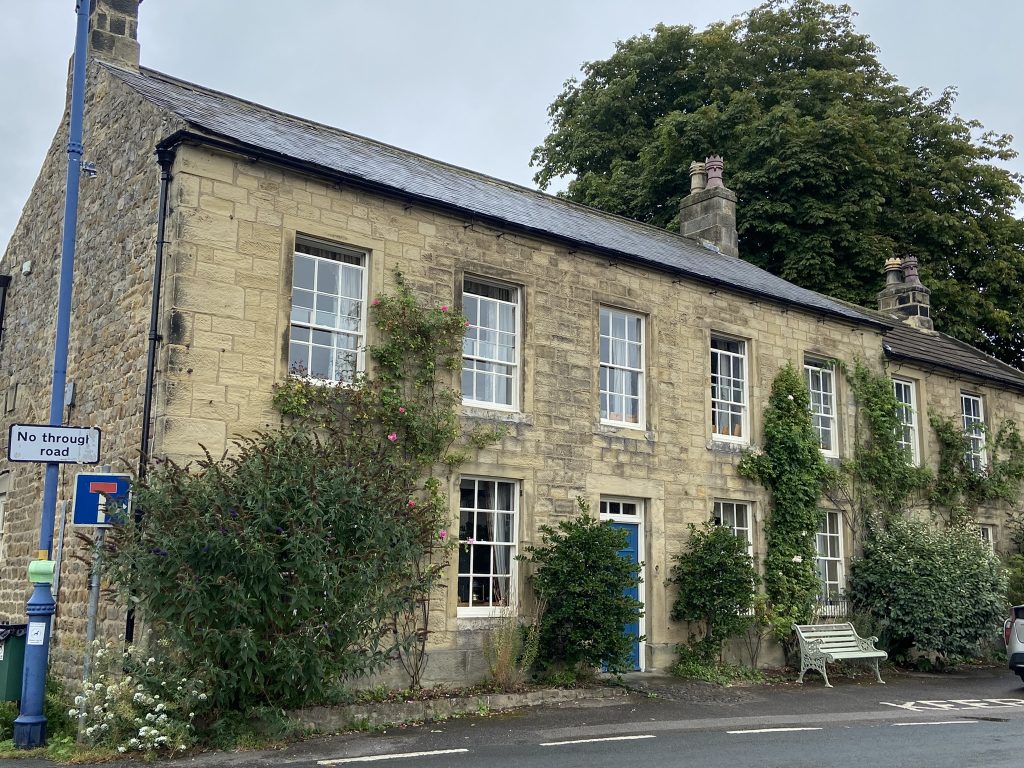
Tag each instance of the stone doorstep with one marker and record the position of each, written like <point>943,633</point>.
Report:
<point>333,719</point>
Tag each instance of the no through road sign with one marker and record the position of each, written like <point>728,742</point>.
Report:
<point>42,443</point>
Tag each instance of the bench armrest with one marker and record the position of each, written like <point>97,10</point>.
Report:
<point>866,643</point>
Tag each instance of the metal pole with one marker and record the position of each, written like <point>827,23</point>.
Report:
<point>94,589</point>
<point>30,725</point>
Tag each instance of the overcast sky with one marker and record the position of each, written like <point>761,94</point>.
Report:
<point>464,81</point>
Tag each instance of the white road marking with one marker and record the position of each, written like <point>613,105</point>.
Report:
<point>936,722</point>
<point>774,730</point>
<point>591,741</point>
<point>955,704</point>
<point>373,758</point>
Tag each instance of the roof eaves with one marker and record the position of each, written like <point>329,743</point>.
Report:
<point>932,364</point>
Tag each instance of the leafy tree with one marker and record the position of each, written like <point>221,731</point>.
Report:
<point>581,580</point>
<point>717,581</point>
<point>836,165</point>
<point>933,590</point>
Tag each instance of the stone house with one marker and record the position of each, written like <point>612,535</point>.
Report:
<point>631,364</point>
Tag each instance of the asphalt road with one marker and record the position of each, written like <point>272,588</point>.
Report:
<point>953,743</point>
<point>969,719</point>
<point>973,718</point>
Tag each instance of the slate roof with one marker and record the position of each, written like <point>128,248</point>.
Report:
<point>344,155</point>
<point>933,350</point>
<point>937,350</point>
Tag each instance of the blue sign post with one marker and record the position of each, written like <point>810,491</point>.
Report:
<point>30,725</point>
<point>102,499</point>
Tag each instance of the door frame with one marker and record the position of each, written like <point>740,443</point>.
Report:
<point>641,546</point>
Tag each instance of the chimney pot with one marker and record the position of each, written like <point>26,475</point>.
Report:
<point>697,178</point>
<point>893,271</point>
<point>910,270</point>
<point>714,167</point>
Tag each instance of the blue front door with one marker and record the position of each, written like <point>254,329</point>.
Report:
<point>632,553</point>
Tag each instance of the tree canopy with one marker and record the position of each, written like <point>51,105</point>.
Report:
<point>837,166</point>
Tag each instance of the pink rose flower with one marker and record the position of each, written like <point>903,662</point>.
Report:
<point>412,503</point>
<point>393,437</point>
<point>401,409</point>
<point>375,302</point>
<point>442,534</point>
<point>444,307</point>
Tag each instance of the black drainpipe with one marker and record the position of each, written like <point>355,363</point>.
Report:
<point>165,157</point>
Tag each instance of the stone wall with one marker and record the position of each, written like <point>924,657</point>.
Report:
<point>112,289</point>
<point>234,228</point>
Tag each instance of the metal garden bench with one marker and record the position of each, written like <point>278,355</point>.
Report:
<point>823,643</point>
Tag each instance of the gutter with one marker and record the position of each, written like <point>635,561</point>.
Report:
<point>165,157</point>
<point>311,169</point>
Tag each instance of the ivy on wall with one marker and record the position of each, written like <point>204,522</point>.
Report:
<point>791,467</point>
<point>960,489</point>
<point>880,480</point>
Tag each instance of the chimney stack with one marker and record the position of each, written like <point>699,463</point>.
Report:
<point>113,32</point>
<point>709,211</point>
<point>905,295</point>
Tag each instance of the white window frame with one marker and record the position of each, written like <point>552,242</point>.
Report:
<point>344,257</point>
<point>972,411</point>
<point>608,367</point>
<point>468,543</point>
<point>823,404</point>
<point>721,405</point>
<point>830,604</point>
<point>515,365</point>
<point>987,533</point>
<point>724,508</point>
<point>638,519</point>
<point>906,413</point>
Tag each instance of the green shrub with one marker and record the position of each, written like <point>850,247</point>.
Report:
<point>273,570</point>
<point>717,583</point>
<point>933,591</point>
<point>581,579</point>
<point>692,664</point>
<point>1015,580</point>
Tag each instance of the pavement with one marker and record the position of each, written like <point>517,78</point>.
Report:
<point>663,704</point>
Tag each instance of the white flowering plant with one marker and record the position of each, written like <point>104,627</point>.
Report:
<point>135,702</point>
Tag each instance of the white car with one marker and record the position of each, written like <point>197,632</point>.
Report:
<point>1013,636</point>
